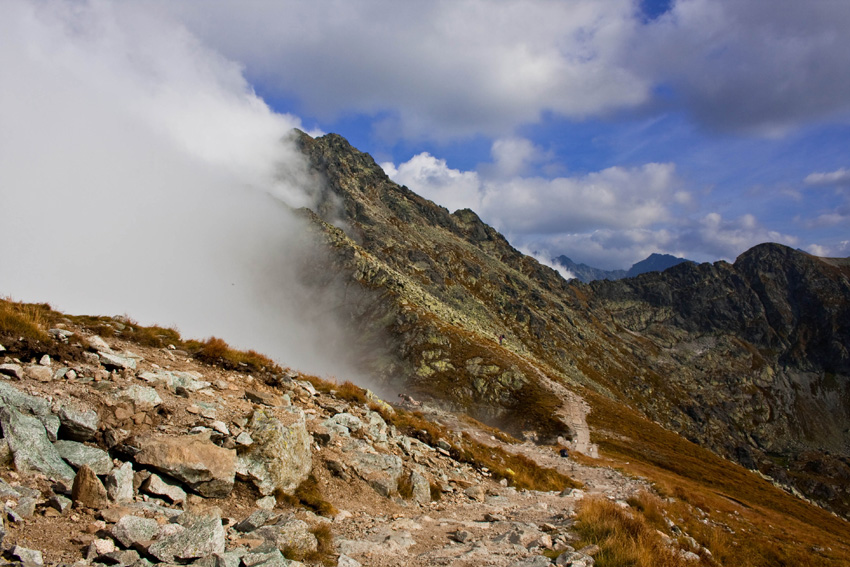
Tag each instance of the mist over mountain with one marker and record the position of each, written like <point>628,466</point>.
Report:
<point>653,263</point>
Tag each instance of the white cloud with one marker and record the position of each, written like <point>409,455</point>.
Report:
<point>748,66</point>
<point>614,197</point>
<point>839,177</point>
<point>140,174</point>
<point>434,69</point>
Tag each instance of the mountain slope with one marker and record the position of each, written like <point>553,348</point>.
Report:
<point>587,274</point>
<point>746,359</point>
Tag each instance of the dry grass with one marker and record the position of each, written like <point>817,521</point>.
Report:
<point>24,320</point>
<point>217,352</point>
<point>519,470</point>
<point>324,553</point>
<point>309,495</point>
<point>623,537</point>
<point>741,518</point>
<point>405,486</point>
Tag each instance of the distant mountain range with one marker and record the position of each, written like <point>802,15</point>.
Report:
<point>586,274</point>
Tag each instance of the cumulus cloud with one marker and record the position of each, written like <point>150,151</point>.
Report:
<point>614,197</point>
<point>432,69</point>
<point>140,174</point>
<point>746,66</point>
<point>838,178</point>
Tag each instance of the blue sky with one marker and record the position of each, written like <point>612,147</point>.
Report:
<point>604,130</point>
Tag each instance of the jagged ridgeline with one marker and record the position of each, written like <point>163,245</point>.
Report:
<point>748,359</point>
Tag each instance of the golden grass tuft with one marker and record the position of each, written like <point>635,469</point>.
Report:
<point>216,351</point>
<point>309,495</point>
<point>24,320</point>
<point>624,538</point>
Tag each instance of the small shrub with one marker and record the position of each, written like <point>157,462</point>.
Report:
<point>351,392</point>
<point>405,486</point>
<point>324,553</point>
<point>217,352</point>
<point>436,492</point>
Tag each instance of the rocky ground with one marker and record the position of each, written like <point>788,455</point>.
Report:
<point>129,455</point>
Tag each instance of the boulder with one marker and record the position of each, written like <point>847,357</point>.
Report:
<point>27,556</point>
<point>39,373</point>
<point>144,398</point>
<point>158,487</point>
<point>173,379</point>
<point>24,403</point>
<point>88,491</point>
<point>78,455</point>
<point>280,457</point>
<point>202,535</point>
<point>132,530</point>
<point>31,448</point>
<point>380,471</point>
<point>110,360</point>
<point>15,371</point>
<point>78,423</point>
<point>119,483</point>
<point>421,488</point>
<point>256,520</point>
<point>192,459</point>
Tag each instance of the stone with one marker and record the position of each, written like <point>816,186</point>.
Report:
<point>26,556</point>
<point>376,427</point>
<point>346,561</point>
<point>343,424</point>
<point>133,530</point>
<point>158,487</point>
<point>119,483</point>
<point>15,371</point>
<point>51,425</point>
<point>574,559</point>
<point>79,423</point>
<point>144,398</point>
<point>59,503</point>
<point>78,454</point>
<point>45,360</point>
<point>201,535</point>
<point>220,427</point>
<point>267,503</point>
<point>476,492</point>
<point>192,459</point>
<point>24,403</point>
<point>121,558</point>
<point>292,534</point>
<point>98,344</point>
<point>88,491</point>
<point>255,520</point>
<point>114,361</point>
<point>537,561</point>
<point>263,398</point>
<point>272,559</point>
<point>174,380</point>
<point>281,456</point>
<point>26,506</point>
<point>39,373</point>
<point>244,439</point>
<point>31,448</point>
<point>421,488</point>
<point>380,471</point>
<point>227,559</point>
<point>462,536</point>
<point>100,547</point>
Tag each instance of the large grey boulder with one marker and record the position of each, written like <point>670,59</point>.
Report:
<point>280,457</point>
<point>158,487</point>
<point>202,535</point>
<point>79,423</point>
<point>192,459</point>
<point>31,448</point>
<point>78,454</point>
<point>381,471</point>
<point>24,403</point>
<point>12,370</point>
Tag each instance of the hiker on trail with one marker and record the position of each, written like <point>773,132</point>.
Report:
<point>501,338</point>
<point>564,453</point>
